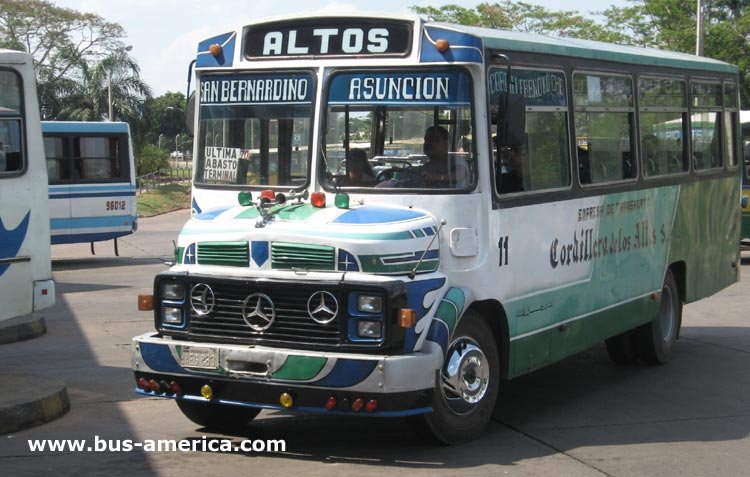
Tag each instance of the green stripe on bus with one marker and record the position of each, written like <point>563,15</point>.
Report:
<point>300,368</point>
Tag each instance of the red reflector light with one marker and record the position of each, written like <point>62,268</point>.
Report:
<point>268,194</point>
<point>371,405</point>
<point>45,292</point>
<point>154,385</point>
<point>143,384</point>
<point>358,404</point>
<point>331,403</point>
<point>318,199</point>
<point>175,388</point>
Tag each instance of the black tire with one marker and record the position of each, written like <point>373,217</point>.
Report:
<point>621,349</point>
<point>217,416</point>
<point>454,420</point>
<point>655,341</point>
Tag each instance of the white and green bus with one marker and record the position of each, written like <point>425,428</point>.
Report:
<point>25,271</point>
<point>392,217</point>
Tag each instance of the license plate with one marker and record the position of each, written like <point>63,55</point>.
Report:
<point>199,357</point>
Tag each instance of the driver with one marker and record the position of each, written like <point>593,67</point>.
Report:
<point>438,171</point>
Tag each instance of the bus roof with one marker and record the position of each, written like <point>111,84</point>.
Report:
<point>533,43</point>
<point>77,127</point>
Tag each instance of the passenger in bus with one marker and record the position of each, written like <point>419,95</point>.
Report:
<point>511,172</point>
<point>439,172</point>
<point>359,173</point>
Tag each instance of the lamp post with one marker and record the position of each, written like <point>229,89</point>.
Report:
<point>109,81</point>
<point>160,136</point>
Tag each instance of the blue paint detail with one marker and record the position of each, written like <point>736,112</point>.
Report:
<point>188,258</point>
<point>415,292</point>
<point>277,407</point>
<point>82,238</point>
<point>159,358</point>
<point>11,240</point>
<point>92,194</point>
<point>210,214</point>
<point>205,59</point>
<point>75,127</point>
<point>259,252</point>
<point>69,188</point>
<point>371,215</point>
<point>194,206</point>
<point>347,373</point>
<point>347,262</point>
<point>438,334</point>
<point>92,222</point>
<point>411,87</point>
<point>429,231</point>
<point>464,47</point>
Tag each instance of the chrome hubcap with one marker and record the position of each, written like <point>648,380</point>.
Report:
<point>465,375</point>
<point>667,315</point>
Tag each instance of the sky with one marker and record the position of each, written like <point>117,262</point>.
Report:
<point>164,34</point>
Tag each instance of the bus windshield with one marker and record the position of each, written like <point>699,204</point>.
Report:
<point>403,129</point>
<point>255,130</point>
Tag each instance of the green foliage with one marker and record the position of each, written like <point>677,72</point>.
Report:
<point>165,117</point>
<point>151,159</point>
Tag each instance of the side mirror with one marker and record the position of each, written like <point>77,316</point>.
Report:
<point>511,122</point>
<point>190,114</point>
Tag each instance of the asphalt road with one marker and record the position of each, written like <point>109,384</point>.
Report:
<point>583,416</point>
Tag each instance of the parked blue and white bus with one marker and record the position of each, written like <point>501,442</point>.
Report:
<point>91,181</point>
<point>25,273</point>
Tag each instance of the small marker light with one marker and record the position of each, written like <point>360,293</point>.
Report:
<point>245,198</point>
<point>358,404</point>
<point>331,403</point>
<point>286,400</point>
<point>215,49</point>
<point>154,385</point>
<point>407,318</point>
<point>164,386</point>
<point>318,199</point>
<point>341,201</point>
<point>207,392</point>
<point>175,388</point>
<point>371,405</point>
<point>145,302</point>
<point>442,45</point>
<point>268,194</point>
<point>143,384</point>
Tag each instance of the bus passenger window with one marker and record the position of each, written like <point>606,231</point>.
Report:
<point>604,127</point>
<point>663,123</point>
<point>542,162</point>
<point>706,128</point>
<point>10,146</point>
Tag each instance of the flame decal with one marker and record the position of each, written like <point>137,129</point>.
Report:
<point>11,240</point>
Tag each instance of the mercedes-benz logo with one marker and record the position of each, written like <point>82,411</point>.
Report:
<point>258,311</point>
<point>323,307</point>
<point>202,299</point>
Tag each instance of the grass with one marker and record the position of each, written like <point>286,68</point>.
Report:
<point>164,199</point>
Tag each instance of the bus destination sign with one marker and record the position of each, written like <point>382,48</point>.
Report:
<point>328,37</point>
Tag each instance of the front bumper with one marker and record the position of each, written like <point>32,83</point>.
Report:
<point>256,376</point>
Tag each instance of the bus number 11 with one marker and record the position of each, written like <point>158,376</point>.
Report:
<point>503,246</point>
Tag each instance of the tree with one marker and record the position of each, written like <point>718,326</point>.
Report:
<point>165,116</point>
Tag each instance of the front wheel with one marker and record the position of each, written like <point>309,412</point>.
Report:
<point>467,387</point>
<point>217,416</point>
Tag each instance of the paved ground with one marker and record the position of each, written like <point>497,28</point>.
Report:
<point>583,416</point>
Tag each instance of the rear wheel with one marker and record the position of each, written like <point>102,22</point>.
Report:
<point>467,387</point>
<point>654,341</point>
<point>217,416</point>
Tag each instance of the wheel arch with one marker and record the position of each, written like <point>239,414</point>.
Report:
<point>493,313</point>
